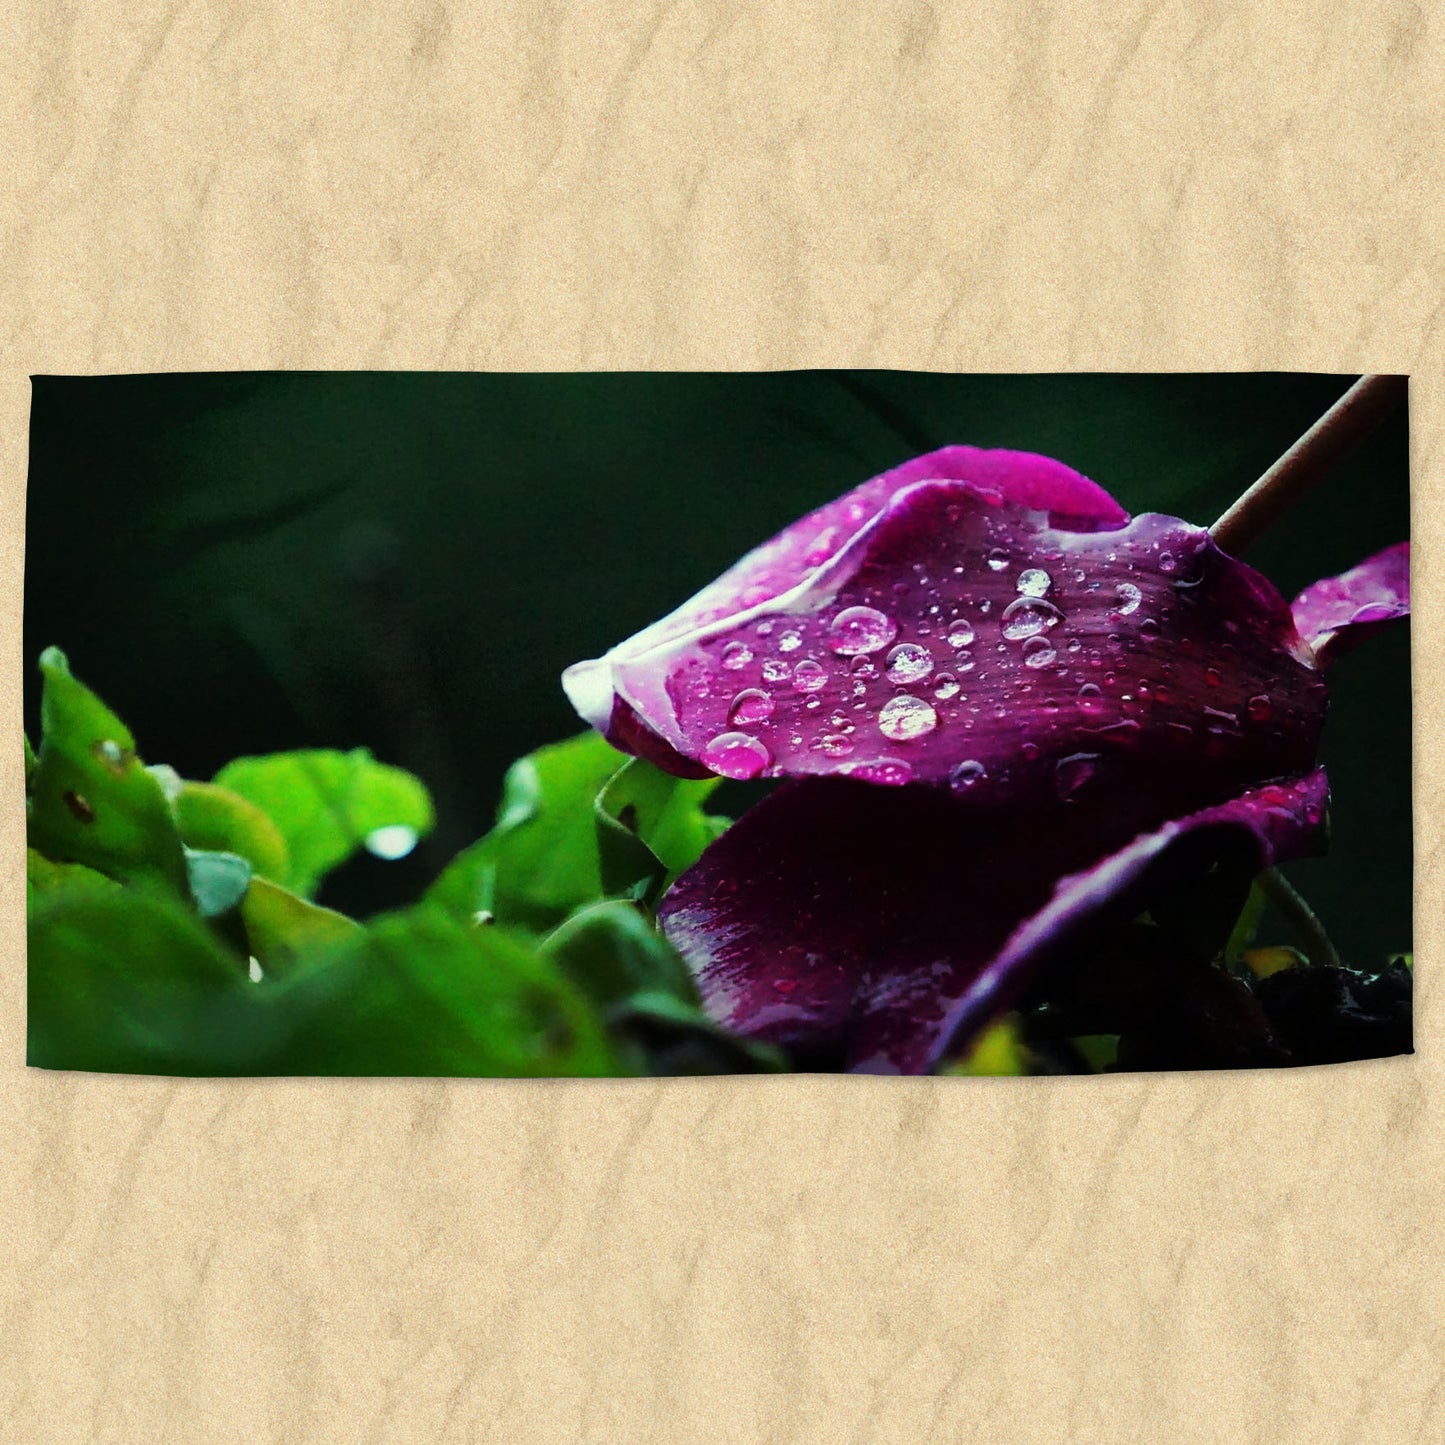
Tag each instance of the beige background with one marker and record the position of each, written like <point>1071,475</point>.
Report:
<point>1181,185</point>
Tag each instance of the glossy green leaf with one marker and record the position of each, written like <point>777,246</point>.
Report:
<point>221,820</point>
<point>650,826</point>
<point>92,801</point>
<point>218,880</point>
<point>327,805</point>
<point>422,993</point>
<point>540,861</point>
<point>284,930</point>
<point>613,952</point>
<point>133,982</point>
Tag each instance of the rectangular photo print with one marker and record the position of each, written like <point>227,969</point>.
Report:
<point>635,724</point>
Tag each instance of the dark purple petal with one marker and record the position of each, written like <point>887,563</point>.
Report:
<point>877,929</point>
<point>1022,479</point>
<point>1338,613</point>
<point>958,640</point>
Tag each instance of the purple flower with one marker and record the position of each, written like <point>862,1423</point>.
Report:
<point>1094,702</point>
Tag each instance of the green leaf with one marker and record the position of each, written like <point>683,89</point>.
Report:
<point>92,801</point>
<point>421,993</point>
<point>666,1037</point>
<point>329,804</point>
<point>42,876</point>
<point>1246,925</point>
<point>29,762</point>
<point>131,982</point>
<point>650,826</point>
<point>612,952</point>
<point>218,880</point>
<point>1098,1051</point>
<point>540,861</point>
<point>220,820</point>
<point>999,1051</point>
<point>284,931</point>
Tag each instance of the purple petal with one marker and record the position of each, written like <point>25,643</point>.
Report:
<point>1022,479</point>
<point>956,639</point>
<point>1338,613</point>
<point>878,929</point>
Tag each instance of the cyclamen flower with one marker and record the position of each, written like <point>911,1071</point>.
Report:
<point>1011,711</point>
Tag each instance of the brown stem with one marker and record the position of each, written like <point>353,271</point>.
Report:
<point>1352,418</point>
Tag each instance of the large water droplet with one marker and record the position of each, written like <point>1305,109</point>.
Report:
<point>790,642</point>
<point>1034,582</point>
<point>861,629</point>
<point>997,559</point>
<point>1038,653</point>
<point>395,840</point>
<point>1129,598</point>
<point>750,706</point>
<point>960,633</point>
<point>1091,697</point>
<point>946,686</point>
<point>736,656</point>
<point>736,755</point>
<point>1073,772</point>
<point>835,745</point>
<point>1029,616</point>
<point>908,662</point>
<point>904,717</point>
<point>808,676</point>
<point>967,773</point>
<point>775,669</point>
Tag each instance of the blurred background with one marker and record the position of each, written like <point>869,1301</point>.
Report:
<point>240,563</point>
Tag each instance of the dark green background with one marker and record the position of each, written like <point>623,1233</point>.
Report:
<point>245,562</point>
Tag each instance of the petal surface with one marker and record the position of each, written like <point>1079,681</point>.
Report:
<point>1338,613</point>
<point>1024,479</point>
<point>957,639</point>
<point>878,929</point>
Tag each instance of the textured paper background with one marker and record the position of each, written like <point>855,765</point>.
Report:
<point>1234,1257</point>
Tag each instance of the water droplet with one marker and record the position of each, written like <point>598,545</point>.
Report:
<point>985,606</point>
<point>1073,772</point>
<point>764,629</point>
<point>253,969</point>
<point>967,773</point>
<point>1038,653</point>
<point>997,560</point>
<point>908,662</point>
<point>1212,676</point>
<point>1148,629</point>
<point>1028,616</point>
<point>736,755</point>
<point>964,662</point>
<point>790,642</point>
<point>1091,697</point>
<point>736,656</point>
<point>891,772</point>
<point>395,840</point>
<point>750,706</point>
<point>775,669</point>
<point>1129,598</point>
<point>960,633</point>
<point>861,629</point>
<point>946,686</point>
<point>835,745</point>
<point>813,704</point>
<point>112,754</point>
<point>904,717</point>
<point>1260,708</point>
<point>1167,562</point>
<point>1034,582</point>
<point>808,676</point>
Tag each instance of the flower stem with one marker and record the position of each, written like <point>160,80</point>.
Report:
<point>1352,418</point>
<point>1283,894</point>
